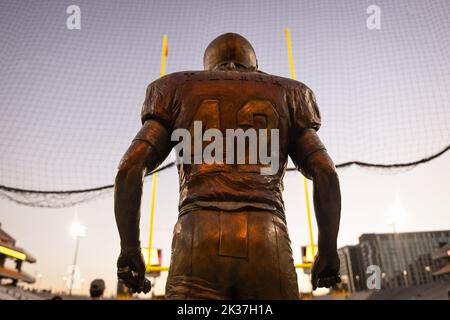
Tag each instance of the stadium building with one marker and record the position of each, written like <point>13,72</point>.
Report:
<point>9,252</point>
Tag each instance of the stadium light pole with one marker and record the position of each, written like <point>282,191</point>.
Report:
<point>78,231</point>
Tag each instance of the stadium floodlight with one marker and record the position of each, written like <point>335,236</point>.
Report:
<point>77,230</point>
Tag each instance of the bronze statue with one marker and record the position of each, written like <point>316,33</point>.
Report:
<point>231,240</point>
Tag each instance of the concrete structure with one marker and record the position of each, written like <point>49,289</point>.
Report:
<point>9,251</point>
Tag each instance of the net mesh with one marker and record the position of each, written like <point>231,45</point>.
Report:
<point>70,99</point>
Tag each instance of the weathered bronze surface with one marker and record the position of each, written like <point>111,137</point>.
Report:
<point>230,240</point>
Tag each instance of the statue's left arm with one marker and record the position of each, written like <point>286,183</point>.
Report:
<point>148,149</point>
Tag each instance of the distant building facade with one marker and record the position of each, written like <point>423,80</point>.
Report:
<point>352,269</point>
<point>405,259</point>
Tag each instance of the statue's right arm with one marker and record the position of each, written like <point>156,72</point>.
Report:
<point>149,148</point>
<point>312,159</point>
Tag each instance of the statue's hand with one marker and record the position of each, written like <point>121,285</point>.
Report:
<point>325,271</point>
<point>131,271</point>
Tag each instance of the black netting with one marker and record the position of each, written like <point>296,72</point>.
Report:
<point>70,99</point>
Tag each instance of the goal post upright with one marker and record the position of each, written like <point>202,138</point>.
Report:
<point>155,175</point>
<point>305,182</point>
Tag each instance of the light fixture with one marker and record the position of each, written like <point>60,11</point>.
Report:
<point>77,230</point>
<point>13,253</point>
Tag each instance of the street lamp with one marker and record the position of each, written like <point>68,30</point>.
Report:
<point>78,231</point>
<point>405,276</point>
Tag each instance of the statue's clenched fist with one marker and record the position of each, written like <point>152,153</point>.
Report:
<point>131,271</point>
<point>325,271</point>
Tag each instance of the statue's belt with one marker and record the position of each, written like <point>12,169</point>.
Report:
<point>232,206</point>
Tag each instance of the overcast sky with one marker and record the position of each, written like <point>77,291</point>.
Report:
<point>70,103</point>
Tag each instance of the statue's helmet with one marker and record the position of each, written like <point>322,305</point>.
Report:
<point>229,48</point>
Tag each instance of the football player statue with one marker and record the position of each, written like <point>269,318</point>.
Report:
<point>230,240</point>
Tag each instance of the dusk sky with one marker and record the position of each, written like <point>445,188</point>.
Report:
<point>70,104</point>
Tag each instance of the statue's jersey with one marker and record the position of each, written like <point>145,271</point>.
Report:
<point>231,100</point>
